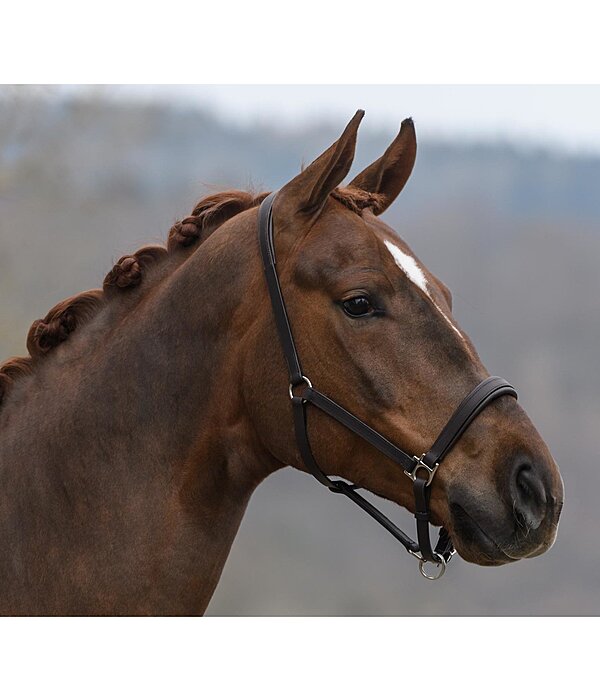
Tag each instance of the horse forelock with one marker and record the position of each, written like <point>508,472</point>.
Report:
<point>357,200</point>
<point>72,313</point>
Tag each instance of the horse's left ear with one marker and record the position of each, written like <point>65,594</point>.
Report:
<point>388,174</point>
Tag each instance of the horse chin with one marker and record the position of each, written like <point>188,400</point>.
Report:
<point>479,541</point>
<point>473,543</point>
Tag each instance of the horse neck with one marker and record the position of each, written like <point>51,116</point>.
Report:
<point>181,360</point>
<point>152,424</point>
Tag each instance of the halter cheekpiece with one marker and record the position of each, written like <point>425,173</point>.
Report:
<point>421,470</point>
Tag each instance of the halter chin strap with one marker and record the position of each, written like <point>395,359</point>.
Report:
<point>420,470</point>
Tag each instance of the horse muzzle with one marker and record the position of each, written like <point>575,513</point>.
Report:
<point>519,522</point>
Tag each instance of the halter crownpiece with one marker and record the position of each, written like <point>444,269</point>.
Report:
<point>420,470</point>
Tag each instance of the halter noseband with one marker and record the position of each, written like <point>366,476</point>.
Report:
<point>420,470</point>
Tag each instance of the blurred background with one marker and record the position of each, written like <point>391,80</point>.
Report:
<point>503,205</point>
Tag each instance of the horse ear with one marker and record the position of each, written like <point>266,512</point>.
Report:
<point>308,191</point>
<point>388,175</point>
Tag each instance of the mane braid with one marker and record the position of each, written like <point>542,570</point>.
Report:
<point>128,272</point>
<point>13,369</point>
<point>62,320</point>
<point>209,213</point>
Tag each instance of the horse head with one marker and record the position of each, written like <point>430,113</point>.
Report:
<point>375,329</point>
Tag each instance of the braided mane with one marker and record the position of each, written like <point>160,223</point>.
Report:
<point>67,316</point>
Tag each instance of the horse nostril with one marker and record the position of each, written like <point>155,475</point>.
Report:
<point>529,496</point>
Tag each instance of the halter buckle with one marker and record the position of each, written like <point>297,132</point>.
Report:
<point>420,464</point>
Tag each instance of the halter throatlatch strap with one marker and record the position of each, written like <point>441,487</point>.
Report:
<point>420,470</point>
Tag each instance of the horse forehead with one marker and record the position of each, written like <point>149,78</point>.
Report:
<point>403,258</point>
<point>343,235</point>
<point>396,252</point>
<point>408,264</point>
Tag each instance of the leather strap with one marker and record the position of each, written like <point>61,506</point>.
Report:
<point>265,225</point>
<point>301,430</point>
<point>421,493</point>
<point>350,421</point>
<point>302,394</point>
<point>469,408</point>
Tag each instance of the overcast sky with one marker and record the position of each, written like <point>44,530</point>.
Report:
<point>564,117</point>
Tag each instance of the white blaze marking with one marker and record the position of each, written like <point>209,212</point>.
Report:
<point>409,266</point>
<point>411,269</point>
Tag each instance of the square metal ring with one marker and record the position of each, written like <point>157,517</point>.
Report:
<point>420,464</point>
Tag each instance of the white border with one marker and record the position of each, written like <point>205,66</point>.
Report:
<point>308,42</point>
<point>269,41</point>
<point>303,658</point>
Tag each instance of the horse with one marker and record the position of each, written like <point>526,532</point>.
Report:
<point>148,411</point>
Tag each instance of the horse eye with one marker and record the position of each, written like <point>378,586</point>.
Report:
<point>358,306</point>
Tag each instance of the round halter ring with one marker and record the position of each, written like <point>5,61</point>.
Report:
<point>304,381</point>
<point>441,567</point>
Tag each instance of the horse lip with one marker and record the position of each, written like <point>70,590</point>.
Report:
<point>481,532</point>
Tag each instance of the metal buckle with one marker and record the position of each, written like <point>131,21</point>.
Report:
<point>441,567</point>
<point>303,381</point>
<point>420,464</point>
<point>416,555</point>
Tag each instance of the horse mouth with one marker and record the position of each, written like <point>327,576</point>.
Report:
<point>473,543</point>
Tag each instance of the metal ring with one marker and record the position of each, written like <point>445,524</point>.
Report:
<point>303,380</point>
<point>441,564</point>
<point>420,464</point>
